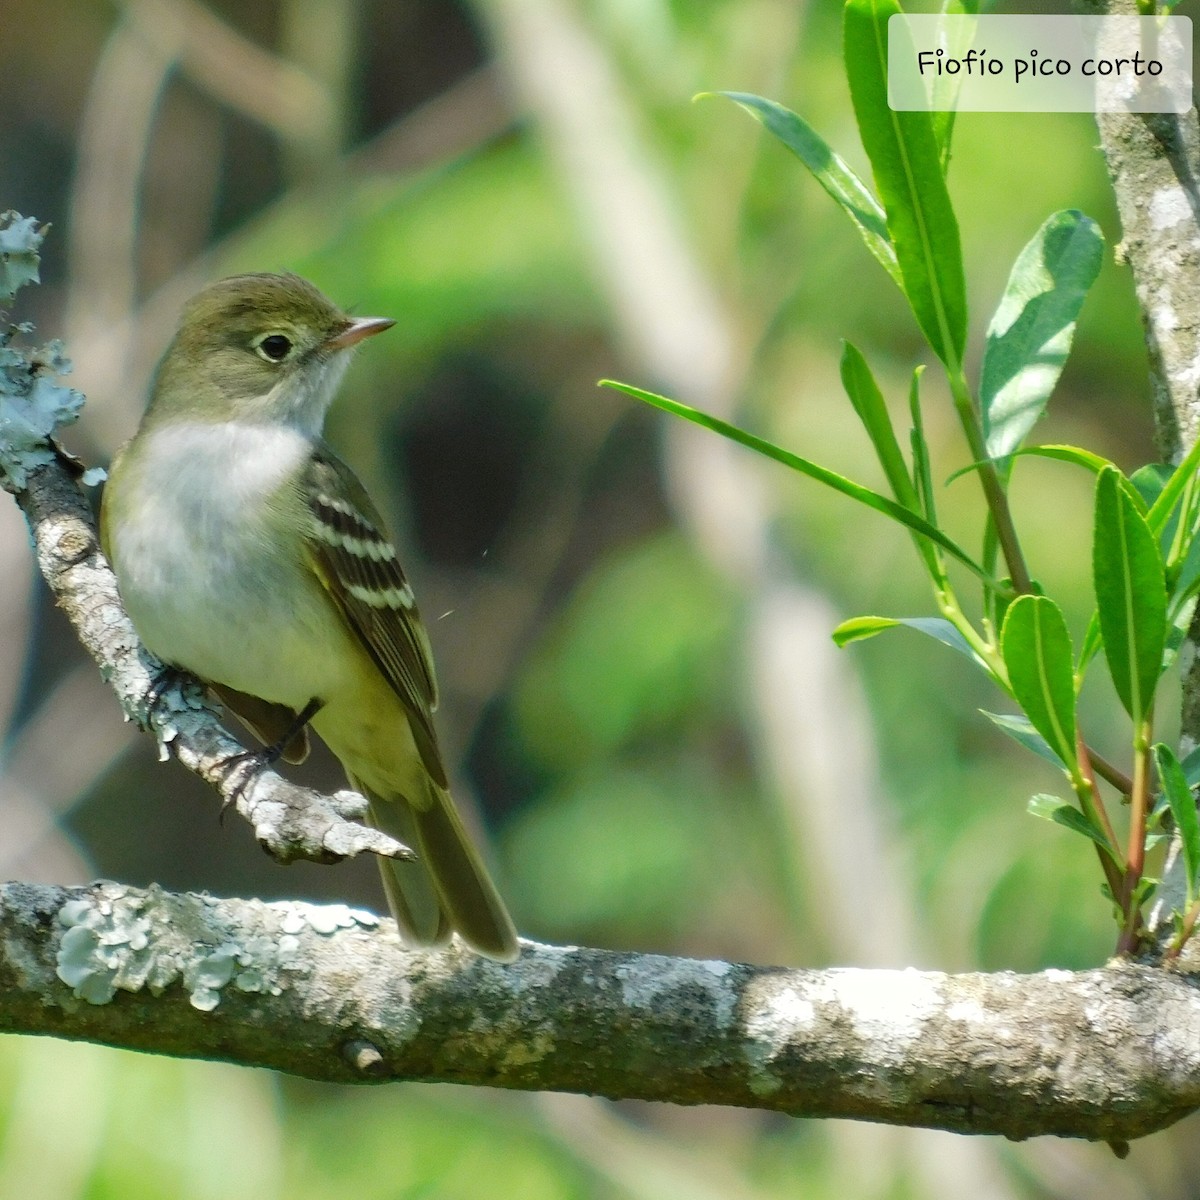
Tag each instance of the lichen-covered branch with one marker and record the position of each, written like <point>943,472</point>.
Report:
<point>289,821</point>
<point>330,993</point>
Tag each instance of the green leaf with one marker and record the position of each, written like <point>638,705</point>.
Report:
<point>858,629</point>
<point>1149,482</point>
<point>1071,454</point>
<point>907,165</point>
<point>1037,652</point>
<point>922,473</point>
<point>946,87</point>
<point>830,171</point>
<point>1173,489</point>
<point>872,411</point>
<point>1191,767</point>
<point>839,483</point>
<point>1051,808</point>
<point>1091,644</point>
<point>1030,336</point>
<point>1183,809</point>
<point>1131,592</point>
<point>1021,730</point>
<point>1186,581</point>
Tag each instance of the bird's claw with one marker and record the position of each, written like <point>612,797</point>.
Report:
<point>248,765</point>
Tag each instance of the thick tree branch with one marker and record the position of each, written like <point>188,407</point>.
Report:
<point>289,821</point>
<point>329,993</point>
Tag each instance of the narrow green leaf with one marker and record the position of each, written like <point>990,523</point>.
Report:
<point>907,165</point>
<point>1030,336</point>
<point>922,472</point>
<point>1186,581</point>
<point>1021,730</point>
<point>946,87</point>
<point>1051,808</point>
<point>1173,489</point>
<point>872,411</point>
<point>1183,809</point>
<point>1071,454</point>
<point>839,483</point>
<point>1180,537</point>
<point>858,629</point>
<point>1091,644</point>
<point>830,171</point>
<point>1041,669</point>
<point>1131,592</point>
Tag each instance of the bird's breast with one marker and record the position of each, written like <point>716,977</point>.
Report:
<point>211,564</point>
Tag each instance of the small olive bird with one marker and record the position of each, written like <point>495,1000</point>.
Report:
<point>249,555</point>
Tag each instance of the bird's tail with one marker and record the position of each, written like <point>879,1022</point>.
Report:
<point>448,889</point>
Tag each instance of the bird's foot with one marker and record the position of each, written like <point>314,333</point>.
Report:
<point>167,678</point>
<point>249,764</point>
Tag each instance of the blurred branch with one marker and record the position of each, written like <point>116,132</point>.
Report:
<point>674,322</point>
<point>153,38</point>
<point>16,615</point>
<point>320,39</point>
<point>119,354</point>
<point>40,783</point>
<point>644,1162</point>
<point>329,994</point>
<point>290,822</point>
<point>236,71</point>
<point>114,134</point>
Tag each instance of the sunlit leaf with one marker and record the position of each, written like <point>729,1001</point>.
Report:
<point>858,629</point>
<point>906,161</point>
<point>829,170</point>
<point>1072,454</point>
<point>1021,730</point>
<point>1051,808</point>
<point>1030,335</point>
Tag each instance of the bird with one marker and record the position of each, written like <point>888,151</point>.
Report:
<point>249,555</point>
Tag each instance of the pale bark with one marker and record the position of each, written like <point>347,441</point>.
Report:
<point>329,993</point>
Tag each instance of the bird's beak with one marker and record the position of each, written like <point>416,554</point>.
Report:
<point>357,329</point>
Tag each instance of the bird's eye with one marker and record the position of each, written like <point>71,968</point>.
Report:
<point>275,347</point>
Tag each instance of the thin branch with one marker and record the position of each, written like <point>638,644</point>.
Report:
<point>329,993</point>
<point>290,822</point>
<point>251,80</point>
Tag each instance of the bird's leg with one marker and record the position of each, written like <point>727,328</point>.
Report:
<point>248,763</point>
<point>166,679</point>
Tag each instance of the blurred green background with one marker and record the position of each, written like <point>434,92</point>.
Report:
<point>643,706</point>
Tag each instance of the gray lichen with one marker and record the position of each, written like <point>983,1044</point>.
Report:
<point>120,939</point>
<point>32,404</point>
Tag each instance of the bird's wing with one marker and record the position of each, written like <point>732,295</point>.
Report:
<point>352,556</point>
